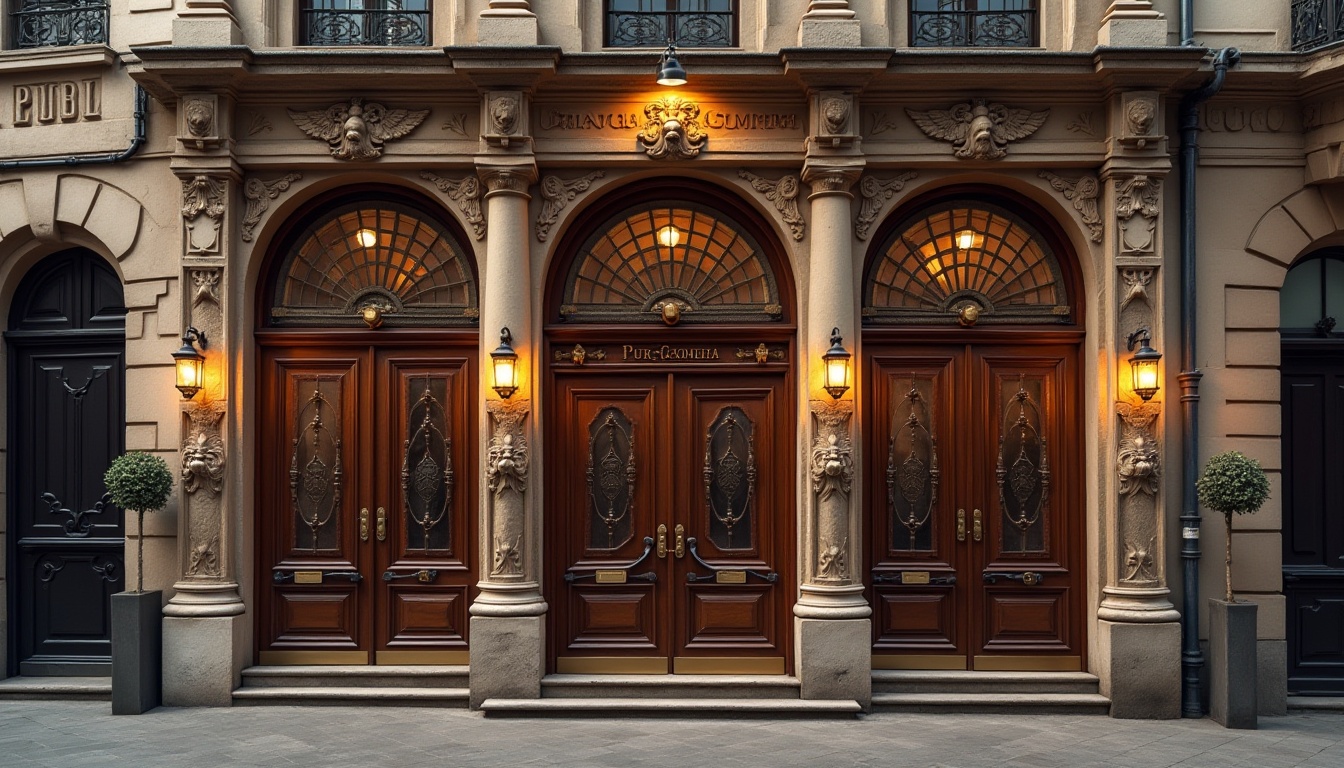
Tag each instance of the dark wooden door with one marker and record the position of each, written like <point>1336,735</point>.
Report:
<point>973,504</point>
<point>1313,514</point>
<point>66,424</point>
<point>670,519</point>
<point>367,493</point>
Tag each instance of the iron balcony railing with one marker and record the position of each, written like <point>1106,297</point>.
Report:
<point>391,22</point>
<point>39,23</point>
<point>1317,23</point>
<point>999,26</point>
<point>653,29</point>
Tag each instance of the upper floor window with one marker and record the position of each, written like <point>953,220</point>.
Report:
<point>688,23</point>
<point>364,22</point>
<point>1317,23</point>
<point>60,22</point>
<point>978,23</point>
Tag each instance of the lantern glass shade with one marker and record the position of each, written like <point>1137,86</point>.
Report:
<point>1143,368</point>
<point>505,362</point>
<point>836,371</point>
<point>190,364</point>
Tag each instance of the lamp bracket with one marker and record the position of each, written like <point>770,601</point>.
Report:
<point>1140,335</point>
<point>194,334</point>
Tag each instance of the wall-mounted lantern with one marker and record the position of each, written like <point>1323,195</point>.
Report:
<point>836,362</point>
<point>505,362</point>
<point>190,363</point>
<point>1143,365</point>
<point>670,71</point>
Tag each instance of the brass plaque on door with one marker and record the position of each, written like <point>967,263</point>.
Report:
<point>307,577</point>
<point>610,577</point>
<point>915,577</point>
<point>731,577</point>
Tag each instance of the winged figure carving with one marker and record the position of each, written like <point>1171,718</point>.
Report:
<point>980,130</point>
<point>357,131</point>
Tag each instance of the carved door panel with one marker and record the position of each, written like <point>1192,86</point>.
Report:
<point>1313,507</point>
<point>975,523</point>
<point>365,525</point>
<point>674,497</point>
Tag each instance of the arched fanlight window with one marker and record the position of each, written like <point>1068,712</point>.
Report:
<point>1312,299</point>
<point>965,261</point>
<point>671,262</point>
<point>374,262</point>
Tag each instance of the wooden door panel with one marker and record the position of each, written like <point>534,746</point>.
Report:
<point>420,618</point>
<point>314,618</point>
<point>1026,621</point>
<point>722,620</point>
<point>615,620</point>
<point>915,620</point>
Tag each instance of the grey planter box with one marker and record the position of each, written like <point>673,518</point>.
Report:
<point>1233,701</point>
<point>137,651</point>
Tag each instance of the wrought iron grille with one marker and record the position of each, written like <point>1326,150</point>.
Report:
<point>973,23</point>
<point>1317,23</point>
<point>76,22</point>
<point>688,23</point>
<point>364,22</point>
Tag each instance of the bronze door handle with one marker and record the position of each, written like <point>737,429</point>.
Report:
<point>382,524</point>
<point>977,528</point>
<point>364,524</point>
<point>680,548</point>
<point>961,525</point>
<point>662,540</point>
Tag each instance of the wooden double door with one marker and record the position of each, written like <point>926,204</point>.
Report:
<point>1313,514</point>
<point>670,518</point>
<point>974,504</point>
<point>366,504</point>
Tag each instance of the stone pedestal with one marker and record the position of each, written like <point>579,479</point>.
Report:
<point>1233,701</point>
<point>203,659</point>
<point>206,28</point>
<point>137,642</point>
<point>834,659</point>
<point>829,24</point>
<point>1132,23</point>
<point>1143,680</point>
<point>508,657</point>
<point>507,23</point>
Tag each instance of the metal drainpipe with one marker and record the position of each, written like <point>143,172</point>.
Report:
<point>138,140</point>
<point>1192,659</point>
<point>1187,22</point>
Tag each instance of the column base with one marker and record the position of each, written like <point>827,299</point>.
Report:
<point>507,600</point>
<point>506,29</point>
<point>1132,23</point>
<point>203,660</point>
<point>1142,677</point>
<point>836,603</point>
<point>508,658</point>
<point>1138,605</point>
<point>201,599</point>
<point>835,659</point>
<point>840,31</point>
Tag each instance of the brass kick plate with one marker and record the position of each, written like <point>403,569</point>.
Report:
<point>915,577</point>
<point>307,577</point>
<point>730,577</point>
<point>610,577</point>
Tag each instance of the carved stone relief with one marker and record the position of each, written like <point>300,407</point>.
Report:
<point>205,286</point>
<point>783,192</point>
<point>259,195</point>
<point>832,471</point>
<point>876,192</point>
<point>198,120</point>
<point>1255,119</point>
<point>1139,469</point>
<point>1139,118</point>
<point>1136,281</point>
<point>506,479</point>
<point>1137,195</point>
<point>466,192</point>
<point>672,129</point>
<point>835,119</point>
<point>977,129</point>
<point>1082,124</point>
<point>556,195</point>
<point>203,483</point>
<point>203,457</point>
<point>505,118</point>
<point>357,131</point>
<point>203,211</point>
<point>1083,193</point>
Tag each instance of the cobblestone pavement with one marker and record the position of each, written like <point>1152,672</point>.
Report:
<point>72,734</point>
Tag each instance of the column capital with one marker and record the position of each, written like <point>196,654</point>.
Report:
<point>506,178</point>
<point>831,178</point>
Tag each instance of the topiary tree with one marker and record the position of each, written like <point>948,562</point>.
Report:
<point>1232,483</point>
<point>139,482</point>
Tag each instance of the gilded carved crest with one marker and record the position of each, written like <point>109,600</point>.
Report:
<point>357,131</point>
<point>672,129</point>
<point>979,130</point>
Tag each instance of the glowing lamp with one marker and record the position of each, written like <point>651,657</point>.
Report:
<point>190,363</point>
<point>505,362</point>
<point>1143,365</point>
<point>836,367</point>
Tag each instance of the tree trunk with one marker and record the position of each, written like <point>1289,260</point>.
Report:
<point>1230,599</point>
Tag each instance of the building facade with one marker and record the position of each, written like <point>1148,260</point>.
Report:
<point>817,366</point>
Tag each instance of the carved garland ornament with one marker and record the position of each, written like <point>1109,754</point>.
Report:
<point>672,130</point>
<point>556,195</point>
<point>977,129</point>
<point>506,467</point>
<point>466,192</point>
<point>259,195</point>
<point>875,192</point>
<point>357,131</point>
<point>783,192</point>
<point>1083,192</point>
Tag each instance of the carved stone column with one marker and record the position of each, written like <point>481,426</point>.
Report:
<point>831,616</point>
<point>507,22</point>
<point>829,24</point>
<point>508,616</point>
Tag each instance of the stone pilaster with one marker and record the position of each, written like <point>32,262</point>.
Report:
<point>829,24</point>
<point>507,23</point>
<point>508,615</point>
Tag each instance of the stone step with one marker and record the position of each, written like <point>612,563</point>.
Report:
<point>668,707</point>
<point>57,688</point>
<point>1316,703</point>
<point>364,696</point>
<point>959,681</point>
<point>773,687</point>
<point>355,676</point>
<point>994,703</point>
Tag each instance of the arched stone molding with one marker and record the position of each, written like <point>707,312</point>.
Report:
<point>51,208</point>
<point>1306,220</point>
